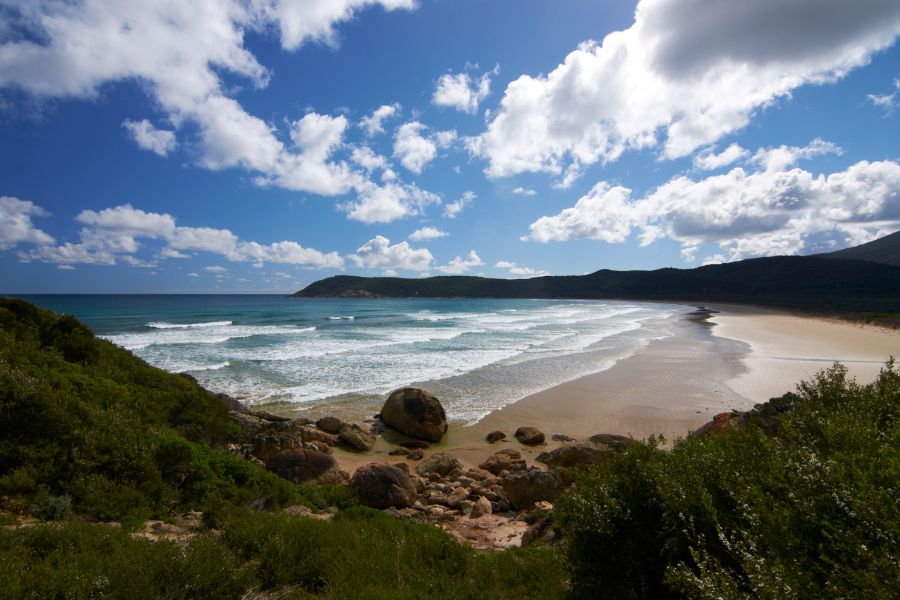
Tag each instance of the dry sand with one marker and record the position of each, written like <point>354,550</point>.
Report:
<point>737,358</point>
<point>785,348</point>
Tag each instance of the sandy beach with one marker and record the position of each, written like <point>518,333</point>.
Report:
<point>738,357</point>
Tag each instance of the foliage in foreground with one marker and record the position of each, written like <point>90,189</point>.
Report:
<point>809,512</point>
<point>361,554</point>
<point>87,427</point>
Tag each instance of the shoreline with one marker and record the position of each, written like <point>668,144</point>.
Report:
<point>730,360</point>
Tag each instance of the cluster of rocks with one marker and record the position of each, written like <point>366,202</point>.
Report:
<point>440,489</point>
<point>300,449</point>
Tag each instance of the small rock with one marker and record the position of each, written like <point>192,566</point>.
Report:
<point>356,437</point>
<point>382,486</point>
<point>415,445</point>
<point>504,460</point>
<point>561,437</point>
<point>441,464</point>
<point>435,497</point>
<point>542,531</point>
<point>576,454</point>
<point>399,452</point>
<point>495,436</point>
<point>330,424</point>
<point>615,442</point>
<point>543,506</point>
<point>415,455</point>
<point>465,506</point>
<point>308,466</point>
<point>480,508</point>
<point>456,496</point>
<point>530,436</point>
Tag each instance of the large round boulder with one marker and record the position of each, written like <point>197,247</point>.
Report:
<point>382,486</point>
<point>301,465</point>
<point>415,412</point>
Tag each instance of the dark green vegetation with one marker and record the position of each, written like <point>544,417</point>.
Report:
<point>803,505</point>
<point>883,250</point>
<point>798,282</point>
<point>87,427</point>
<point>362,554</point>
<point>799,502</point>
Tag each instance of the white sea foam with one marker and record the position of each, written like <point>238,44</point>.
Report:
<point>164,325</point>
<point>478,360</point>
<point>218,334</point>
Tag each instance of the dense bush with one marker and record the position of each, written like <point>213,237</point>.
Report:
<point>807,512</point>
<point>83,419</point>
<point>361,554</point>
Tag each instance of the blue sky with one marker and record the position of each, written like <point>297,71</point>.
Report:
<point>245,146</point>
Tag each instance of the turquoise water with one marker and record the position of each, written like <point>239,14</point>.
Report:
<point>478,355</point>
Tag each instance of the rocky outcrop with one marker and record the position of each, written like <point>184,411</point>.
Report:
<point>721,422</point>
<point>272,440</point>
<point>575,454</point>
<point>495,436</point>
<point>308,466</point>
<point>415,412</point>
<point>504,460</point>
<point>356,437</point>
<point>442,465</point>
<point>381,486</point>
<point>525,487</point>
<point>530,436</point>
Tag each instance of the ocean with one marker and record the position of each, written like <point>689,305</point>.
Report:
<point>477,355</point>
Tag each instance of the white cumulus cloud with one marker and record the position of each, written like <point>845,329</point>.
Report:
<point>765,212</point>
<point>148,137</point>
<point>115,234</point>
<point>374,124</point>
<point>460,265</point>
<point>15,223</point>
<point>379,253</point>
<point>520,271</point>
<point>462,91</point>
<point>708,160</point>
<point>427,233</point>
<point>179,52</point>
<point>686,73</point>
<point>457,206</point>
<point>389,202</point>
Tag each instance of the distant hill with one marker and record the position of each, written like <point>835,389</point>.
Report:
<point>883,250</point>
<point>808,283</point>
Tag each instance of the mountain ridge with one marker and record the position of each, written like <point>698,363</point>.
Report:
<point>811,283</point>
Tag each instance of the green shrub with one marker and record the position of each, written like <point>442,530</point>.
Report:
<point>125,441</point>
<point>78,560</point>
<point>54,508</point>
<point>807,512</point>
